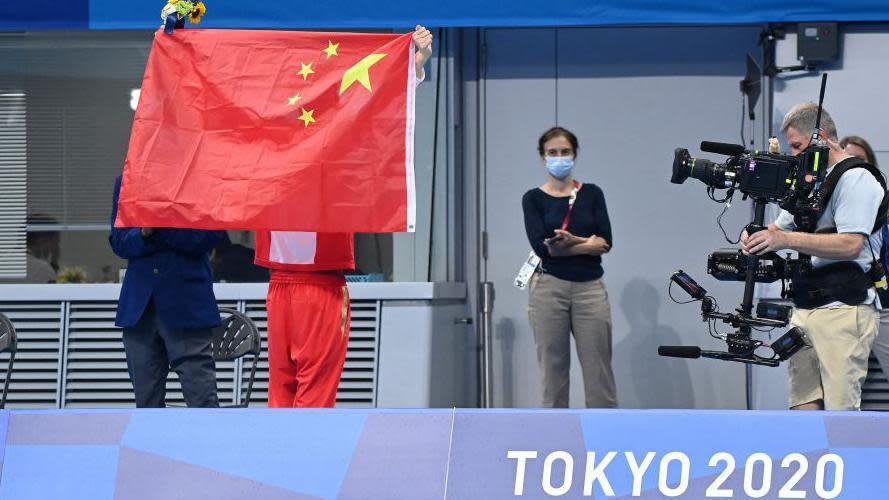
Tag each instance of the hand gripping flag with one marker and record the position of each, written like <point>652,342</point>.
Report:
<point>277,130</point>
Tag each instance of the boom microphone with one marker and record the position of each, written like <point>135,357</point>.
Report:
<point>694,352</point>
<point>679,351</point>
<point>722,148</point>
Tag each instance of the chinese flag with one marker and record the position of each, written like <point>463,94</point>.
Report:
<point>278,130</point>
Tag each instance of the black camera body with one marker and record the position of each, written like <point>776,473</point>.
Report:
<point>730,264</point>
<point>789,181</point>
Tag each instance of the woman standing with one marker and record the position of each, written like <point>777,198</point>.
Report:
<point>567,226</point>
<point>860,148</point>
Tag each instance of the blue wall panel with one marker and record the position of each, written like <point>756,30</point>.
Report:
<point>144,14</point>
<point>301,454</point>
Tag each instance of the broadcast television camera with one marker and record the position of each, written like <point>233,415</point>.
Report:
<point>790,181</point>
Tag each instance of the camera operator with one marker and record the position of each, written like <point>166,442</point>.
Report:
<point>835,303</point>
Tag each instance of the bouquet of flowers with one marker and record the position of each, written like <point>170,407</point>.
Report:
<point>175,12</point>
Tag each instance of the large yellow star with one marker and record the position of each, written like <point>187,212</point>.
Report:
<point>307,117</point>
<point>306,70</point>
<point>359,72</point>
<point>331,49</point>
<point>293,100</point>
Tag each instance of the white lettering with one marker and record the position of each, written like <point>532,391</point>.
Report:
<point>766,475</point>
<point>837,488</point>
<point>548,469</point>
<point>684,471</point>
<point>595,473</point>
<point>787,490</point>
<point>714,490</point>
<point>638,470</point>
<point>829,474</point>
<point>522,457</point>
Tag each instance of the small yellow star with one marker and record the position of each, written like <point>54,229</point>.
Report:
<point>331,49</point>
<point>307,116</point>
<point>306,70</point>
<point>293,100</point>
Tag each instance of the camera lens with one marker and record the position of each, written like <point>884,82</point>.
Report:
<point>711,174</point>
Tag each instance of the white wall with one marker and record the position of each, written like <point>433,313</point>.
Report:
<point>632,95</point>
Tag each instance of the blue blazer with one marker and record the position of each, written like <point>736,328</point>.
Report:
<point>172,267</point>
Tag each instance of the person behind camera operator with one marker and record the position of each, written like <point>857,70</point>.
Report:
<point>835,303</point>
<point>567,294</point>
<point>857,146</point>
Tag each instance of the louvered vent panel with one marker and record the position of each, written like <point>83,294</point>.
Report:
<point>875,391</point>
<point>96,370</point>
<point>13,200</point>
<point>35,374</point>
<point>357,388</point>
<point>358,383</point>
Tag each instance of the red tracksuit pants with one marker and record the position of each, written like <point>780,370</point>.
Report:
<point>308,331</point>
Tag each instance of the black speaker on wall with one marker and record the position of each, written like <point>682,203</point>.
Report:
<point>817,43</point>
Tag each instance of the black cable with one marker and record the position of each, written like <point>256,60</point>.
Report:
<point>670,293</point>
<point>872,255</point>
<point>764,330</point>
<point>743,98</point>
<point>729,196</point>
<point>710,330</point>
<point>719,335</point>
<point>715,304</point>
<point>711,193</point>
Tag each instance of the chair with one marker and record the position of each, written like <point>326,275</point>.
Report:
<point>7,344</point>
<point>237,336</point>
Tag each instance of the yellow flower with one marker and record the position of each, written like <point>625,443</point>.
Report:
<point>199,10</point>
<point>171,2</point>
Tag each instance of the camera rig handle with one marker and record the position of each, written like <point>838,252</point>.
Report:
<point>754,228</point>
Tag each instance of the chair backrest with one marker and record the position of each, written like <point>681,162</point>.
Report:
<point>237,336</point>
<point>7,335</point>
<point>8,343</point>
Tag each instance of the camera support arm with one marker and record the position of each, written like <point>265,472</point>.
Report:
<point>746,307</point>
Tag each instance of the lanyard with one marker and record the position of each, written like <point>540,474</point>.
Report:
<point>571,199</point>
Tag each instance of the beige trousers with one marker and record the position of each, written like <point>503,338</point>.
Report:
<point>557,309</point>
<point>834,368</point>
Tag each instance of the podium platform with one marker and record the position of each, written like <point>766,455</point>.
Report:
<point>408,454</point>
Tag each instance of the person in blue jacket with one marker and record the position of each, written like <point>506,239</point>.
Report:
<point>167,310</point>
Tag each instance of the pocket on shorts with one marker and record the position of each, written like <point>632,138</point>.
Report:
<point>601,283</point>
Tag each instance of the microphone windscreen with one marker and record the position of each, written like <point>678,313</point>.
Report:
<point>722,148</point>
<point>679,351</point>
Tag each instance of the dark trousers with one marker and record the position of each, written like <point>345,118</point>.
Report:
<point>153,350</point>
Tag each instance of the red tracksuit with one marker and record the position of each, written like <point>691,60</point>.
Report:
<point>308,314</point>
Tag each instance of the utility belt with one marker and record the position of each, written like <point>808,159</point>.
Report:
<point>842,282</point>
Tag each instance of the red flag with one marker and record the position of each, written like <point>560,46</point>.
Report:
<point>278,130</point>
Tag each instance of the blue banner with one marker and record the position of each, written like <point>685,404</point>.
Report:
<point>491,454</point>
<point>358,14</point>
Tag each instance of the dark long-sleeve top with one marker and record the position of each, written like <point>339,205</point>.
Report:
<point>544,214</point>
<point>172,267</point>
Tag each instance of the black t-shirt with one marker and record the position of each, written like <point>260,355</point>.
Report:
<point>544,214</point>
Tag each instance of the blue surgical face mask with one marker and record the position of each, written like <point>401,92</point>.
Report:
<point>559,166</point>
